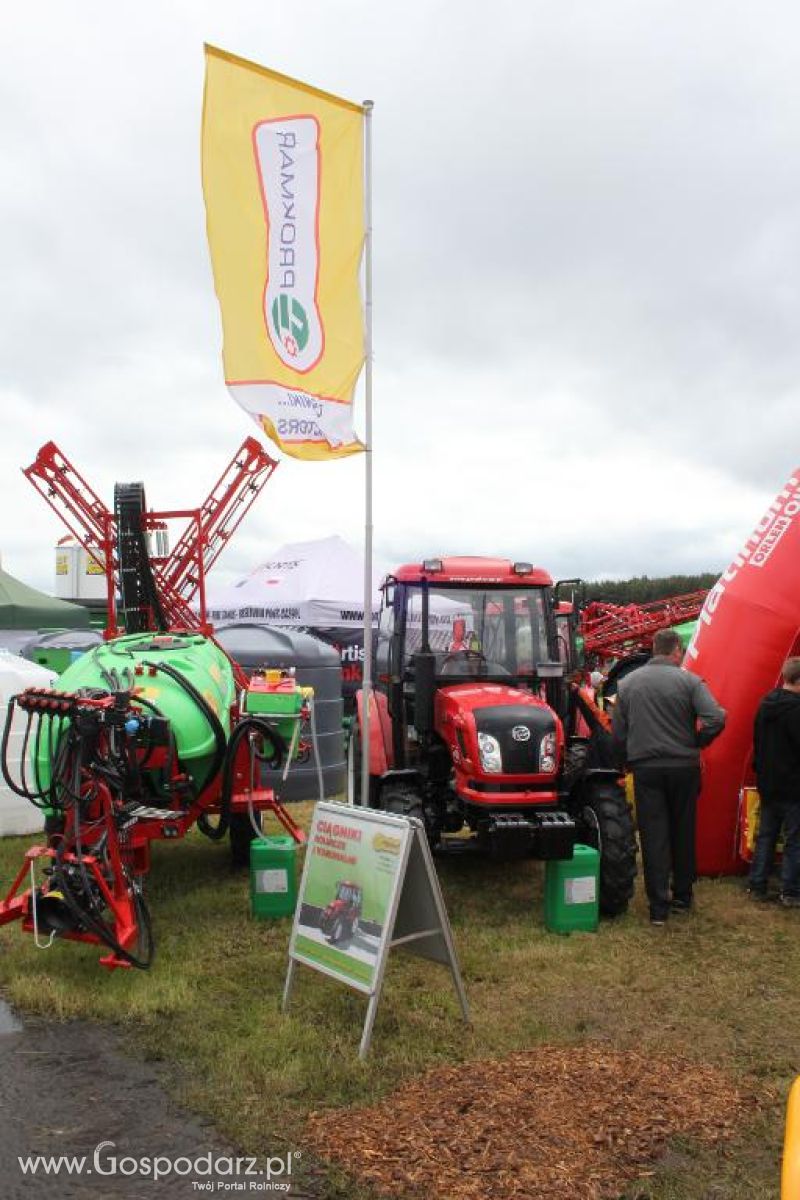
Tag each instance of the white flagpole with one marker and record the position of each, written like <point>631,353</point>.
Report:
<point>367,669</point>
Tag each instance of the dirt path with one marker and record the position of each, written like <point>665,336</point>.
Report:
<point>67,1088</point>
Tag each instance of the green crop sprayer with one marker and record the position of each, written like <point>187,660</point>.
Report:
<point>153,731</point>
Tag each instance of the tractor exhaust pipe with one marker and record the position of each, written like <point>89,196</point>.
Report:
<point>425,691</point>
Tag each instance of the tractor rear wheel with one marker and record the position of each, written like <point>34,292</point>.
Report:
<point>336,930</point>
<point>404,800</point>
<point>608,826</point>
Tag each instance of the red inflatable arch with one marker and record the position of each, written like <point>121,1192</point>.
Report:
<point>749,625</point>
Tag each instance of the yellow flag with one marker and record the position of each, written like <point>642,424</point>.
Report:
<point>283,180</point>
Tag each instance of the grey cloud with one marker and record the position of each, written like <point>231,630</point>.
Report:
<point>585,222</point>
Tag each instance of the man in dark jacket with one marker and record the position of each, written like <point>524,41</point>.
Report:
<point>776,758</point>
<point>663,717</point>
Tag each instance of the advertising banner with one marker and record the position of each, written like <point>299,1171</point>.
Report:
<point>283,180</point>
<point>748,627</point>
<point>368,885</point>
<point>354,868</point>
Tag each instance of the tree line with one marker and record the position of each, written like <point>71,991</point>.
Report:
<point>641,589</point>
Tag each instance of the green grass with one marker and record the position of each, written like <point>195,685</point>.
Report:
<point>721,987</point>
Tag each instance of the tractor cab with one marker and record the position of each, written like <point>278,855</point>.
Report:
<point>467,620</point>
<point>473,720</point>
<point>348,895</point>
<point>340,918</point>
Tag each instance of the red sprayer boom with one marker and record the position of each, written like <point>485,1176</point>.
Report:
<point>178,577</point>
<point>617,630</point>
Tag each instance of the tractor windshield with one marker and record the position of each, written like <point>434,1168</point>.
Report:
<point>500,631</point>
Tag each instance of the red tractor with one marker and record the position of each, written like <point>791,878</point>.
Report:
<point>339,919</point>
<point>475,719</point>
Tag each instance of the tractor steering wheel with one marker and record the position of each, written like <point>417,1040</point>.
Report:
<point>466,655</point>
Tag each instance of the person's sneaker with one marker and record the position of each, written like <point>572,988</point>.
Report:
<point>680,907</point>
<point>757,895</point>
<point>658,918</point>
<point>790,901</point>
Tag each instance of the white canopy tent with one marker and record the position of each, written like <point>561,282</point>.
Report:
<point>317,584</point>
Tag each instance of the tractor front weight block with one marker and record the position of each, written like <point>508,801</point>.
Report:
<point>546,835</point>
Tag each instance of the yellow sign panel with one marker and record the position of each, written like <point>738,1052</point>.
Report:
<point>283,180</point>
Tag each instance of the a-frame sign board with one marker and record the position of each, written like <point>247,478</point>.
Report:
<point>369,884</point>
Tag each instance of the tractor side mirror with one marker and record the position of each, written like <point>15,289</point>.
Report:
<point>573,591</point>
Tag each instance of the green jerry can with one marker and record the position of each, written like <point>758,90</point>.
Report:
<point>273,880</point>
<point>571,889</point>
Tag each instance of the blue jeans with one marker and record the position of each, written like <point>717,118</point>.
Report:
<point>777,815</point>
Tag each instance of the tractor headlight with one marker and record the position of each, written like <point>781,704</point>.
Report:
<point>491,758</point>
<point>547,753</point>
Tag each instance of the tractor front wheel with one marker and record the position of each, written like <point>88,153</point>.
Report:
<point>608,826</point>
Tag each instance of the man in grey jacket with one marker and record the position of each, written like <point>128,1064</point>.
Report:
<point>663,717</point>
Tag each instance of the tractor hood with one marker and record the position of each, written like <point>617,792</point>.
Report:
<point>500,734</point>
<point>474,698</point>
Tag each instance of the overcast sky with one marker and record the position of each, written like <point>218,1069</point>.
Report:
<point>586,272</point>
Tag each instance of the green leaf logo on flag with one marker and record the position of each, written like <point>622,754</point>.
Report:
<point>290,322</point>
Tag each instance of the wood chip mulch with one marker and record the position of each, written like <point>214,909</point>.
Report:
<point>556,1123</point>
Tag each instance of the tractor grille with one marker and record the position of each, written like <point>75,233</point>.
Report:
<point>508,723</point>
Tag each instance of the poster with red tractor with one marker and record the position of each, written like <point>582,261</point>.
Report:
<point>352,872</point>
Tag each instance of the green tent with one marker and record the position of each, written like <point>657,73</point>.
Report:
<point>22,607</point>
